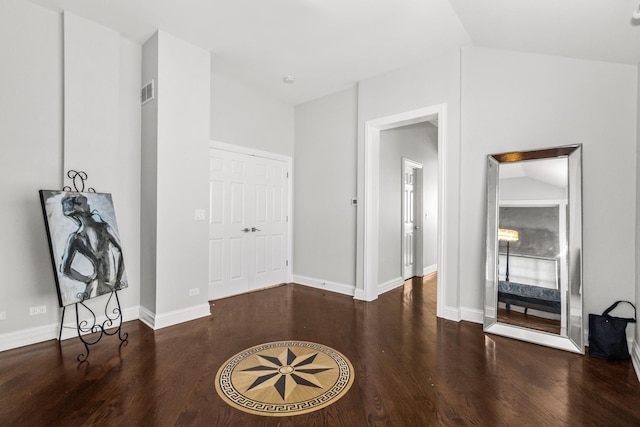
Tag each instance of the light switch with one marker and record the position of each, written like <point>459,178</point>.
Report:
<point>200,215</point>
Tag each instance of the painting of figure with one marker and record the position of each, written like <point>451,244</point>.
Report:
<point>84,243</point>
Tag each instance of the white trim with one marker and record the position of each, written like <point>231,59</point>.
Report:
<point>147,317</point>
<point>451,313</point>
<point>339,288</point>
<point>28,336</point>
<point>532,203</point>
<point>239,149</point>
<point>533,336</point>
<point>469,314</point>
<point>155,321</point>
<point>51,331</point>
<point>248,151</point>
<point>390,285</point>
<point>635,357</point>
<point>430,269</point>
<point>369,234</point>
<point>69,329</point>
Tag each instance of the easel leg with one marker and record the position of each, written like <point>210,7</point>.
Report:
<point>83,357</point>
<point>62,323</point>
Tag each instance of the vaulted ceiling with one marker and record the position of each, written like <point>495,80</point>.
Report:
<point>329,45</point>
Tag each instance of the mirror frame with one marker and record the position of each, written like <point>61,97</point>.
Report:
<point>574,339</point>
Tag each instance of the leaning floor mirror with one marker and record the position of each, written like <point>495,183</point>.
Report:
<point>533,287</point>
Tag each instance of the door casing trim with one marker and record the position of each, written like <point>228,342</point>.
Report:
<point>368,237</point>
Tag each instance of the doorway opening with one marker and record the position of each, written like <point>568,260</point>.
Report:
<point>412,208</point>
<point>369,234</point>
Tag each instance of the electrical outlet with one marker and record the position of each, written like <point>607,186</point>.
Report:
<point>41,309</point>
<point>3,315</point>
<point>193,292</point>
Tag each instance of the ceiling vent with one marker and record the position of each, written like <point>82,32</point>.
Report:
<point>147,93</point>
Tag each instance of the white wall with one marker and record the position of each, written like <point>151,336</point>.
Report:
<point>149,180</point>
<point>102,130</point>
<point>324,184</point>
<point>426,84</point>
<point>31,129</point>
<point>636,347</point>
<point>181,181</point>
<point>242,116</point>
<point>417,142</point>
<point>518,101</point>
<point>91,91</point>
<point>34,155</point>
<point>126,173</point>
<point>31,124</point>
<point>430,199</point>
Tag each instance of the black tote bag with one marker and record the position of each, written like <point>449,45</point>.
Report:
<point>607,336</point>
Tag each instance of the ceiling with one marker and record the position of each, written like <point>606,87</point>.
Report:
<point>553,171</point>
<point>329,45</point>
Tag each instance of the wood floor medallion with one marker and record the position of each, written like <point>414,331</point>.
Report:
<point>284,378</point>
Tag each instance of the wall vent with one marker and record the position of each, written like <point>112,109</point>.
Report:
<point>147,93</point>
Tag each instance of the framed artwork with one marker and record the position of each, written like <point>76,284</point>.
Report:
<point>84,243</point>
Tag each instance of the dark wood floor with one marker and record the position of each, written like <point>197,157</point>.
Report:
<point>412,369</point>
<point>530,321</point>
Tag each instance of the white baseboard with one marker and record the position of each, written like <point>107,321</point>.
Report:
<point>635,357</point>
<point>38,334</point>
<point>163,320</point>
<point>451,313</point>
<point>340,288</point>
<point>359,294</point>
<point>430,269</point>
<point>70,330</point>
<point>28,336</point>
<point>468,314</point>
<point>390,285</point>
<point>474,315</point>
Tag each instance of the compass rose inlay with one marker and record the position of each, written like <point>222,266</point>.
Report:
<point>284,378</point>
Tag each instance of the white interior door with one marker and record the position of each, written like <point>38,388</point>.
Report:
<point>248,230</point>
<point>411,219</point>
<point>269,223</point>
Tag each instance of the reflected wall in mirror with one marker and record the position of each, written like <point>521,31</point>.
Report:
<point>533,287</point>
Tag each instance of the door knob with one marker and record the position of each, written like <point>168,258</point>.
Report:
<point>245,230</point>
<point>255,229</point>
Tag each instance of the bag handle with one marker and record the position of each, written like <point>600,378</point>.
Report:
<point>615,304</point>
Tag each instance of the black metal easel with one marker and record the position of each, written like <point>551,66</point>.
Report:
<point>114,316</point>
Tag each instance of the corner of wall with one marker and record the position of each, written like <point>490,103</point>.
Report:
<point>175,317</point>
<point>635,358</point>
<point>336,287</point>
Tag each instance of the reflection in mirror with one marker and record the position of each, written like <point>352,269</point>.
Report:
<point>533,246</point>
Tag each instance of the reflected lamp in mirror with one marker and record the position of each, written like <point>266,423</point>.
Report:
<point>506,235</point>
<point>534,228</point>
